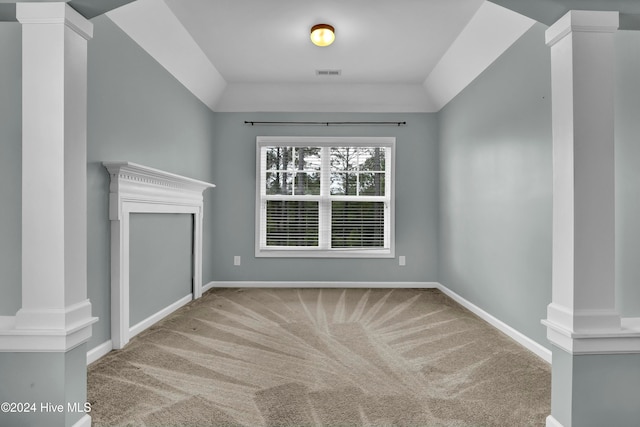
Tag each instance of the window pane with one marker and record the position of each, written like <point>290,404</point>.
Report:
<point>357,224</point>
<point>307,183</point>
<point>279,183</point>
<point>279,158</point>
<point>292,223</point>
<point>371,159</point>
<point>308,158</point>
<point>344,184</point>
<point>344,158</point>
<point>372,184</point>
<point>313,192</point>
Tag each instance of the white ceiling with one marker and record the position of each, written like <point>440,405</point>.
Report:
<point>377,41</point>
<point>255,55</point>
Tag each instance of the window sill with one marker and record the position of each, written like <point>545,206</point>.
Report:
<point>314,253</point>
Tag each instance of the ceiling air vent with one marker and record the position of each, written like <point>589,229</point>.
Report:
<point>328,72</point>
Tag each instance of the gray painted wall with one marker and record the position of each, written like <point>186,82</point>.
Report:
<point>496,185</point>
<point>162,271</point>
<point>234,169</point>
<point>496,172</point>
<point>10,167</point>
<point>138,112</point>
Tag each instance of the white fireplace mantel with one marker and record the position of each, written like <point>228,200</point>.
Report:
<point>140,189</point>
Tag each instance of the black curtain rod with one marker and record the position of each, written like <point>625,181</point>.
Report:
<point>254,123</point>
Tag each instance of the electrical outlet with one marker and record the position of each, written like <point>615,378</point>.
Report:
<point>236,260</point>
<point>402,260</point>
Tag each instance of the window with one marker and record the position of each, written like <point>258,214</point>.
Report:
<point>325,197</point>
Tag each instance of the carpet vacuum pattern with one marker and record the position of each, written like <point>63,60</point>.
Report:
<point>320,357</point>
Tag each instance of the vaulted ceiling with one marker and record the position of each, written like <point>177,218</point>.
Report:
<point>378,41</point>
<point>392,55</point>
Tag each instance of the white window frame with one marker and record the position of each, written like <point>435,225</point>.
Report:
<point>325,252</point>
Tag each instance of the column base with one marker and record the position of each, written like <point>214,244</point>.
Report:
<point>624,340</point>
<point>53,318</point>
<point>586,321</point>
<point>51,330</point>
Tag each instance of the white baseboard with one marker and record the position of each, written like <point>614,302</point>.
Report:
<point>539,350</point>
<point>139,327</point>
<point>208,286</point>
<point>552,422</point>
<point>99,351</point>
<point>318,284</point>
<point>85,421</point>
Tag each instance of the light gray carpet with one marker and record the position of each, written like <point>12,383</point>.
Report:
<point>331,357</point>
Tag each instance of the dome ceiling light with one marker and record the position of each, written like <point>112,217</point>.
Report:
<point>322,34</point>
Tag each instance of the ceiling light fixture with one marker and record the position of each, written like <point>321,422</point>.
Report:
<point>322,34</point>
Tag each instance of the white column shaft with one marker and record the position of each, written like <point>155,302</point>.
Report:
<point>582,60</point>
<point>54,192</point>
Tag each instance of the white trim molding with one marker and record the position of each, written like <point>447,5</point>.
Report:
<point>144,324</point>
<point>141,189</point>
<point>16,339</point>
<point>625,340</point>
<point>531,345</point>
<point>319,284</point>
<point>103,349</point>
<point>52,329</point>
<point>99,351</point>
<point>85,421</point>
<point>584,21</point>
<point>539,350</point>
<point>552,422</point>
<point>55,13</point>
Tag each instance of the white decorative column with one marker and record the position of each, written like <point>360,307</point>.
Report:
<point>582,59</point>
<point>583,322</point>
<point>43,356</point>
<point>54,169</point>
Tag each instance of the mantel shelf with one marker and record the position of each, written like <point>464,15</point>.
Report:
<point>146,175</point>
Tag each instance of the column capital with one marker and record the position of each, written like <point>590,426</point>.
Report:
<point>54,13</point>
<point>582,21</point>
